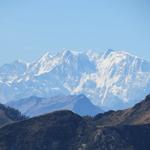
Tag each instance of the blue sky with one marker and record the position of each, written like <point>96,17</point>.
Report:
<point>29,28</point>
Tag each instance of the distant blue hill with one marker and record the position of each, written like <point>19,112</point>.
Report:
<point>34,106</point>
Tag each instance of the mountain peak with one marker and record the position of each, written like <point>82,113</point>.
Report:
<point>122,52</point>
<point>46,56</point>
<point>66,52</point>
<point>113,79</point>
<point>19,61</point>
<point>77,103</point>
<point>109,51</point>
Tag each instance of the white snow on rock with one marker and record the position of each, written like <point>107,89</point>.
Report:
<point>114,79</point>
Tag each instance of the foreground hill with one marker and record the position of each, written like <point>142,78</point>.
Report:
<point>34,106</point>
<point>139,114</point>
<point>9,115</point>
<point>65,130</point>
<point>114,79</point>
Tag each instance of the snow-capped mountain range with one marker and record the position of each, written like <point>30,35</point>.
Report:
<point>114,79</point>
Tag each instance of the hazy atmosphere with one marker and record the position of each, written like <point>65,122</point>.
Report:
<point>29,28</point>
<point>74,74</point>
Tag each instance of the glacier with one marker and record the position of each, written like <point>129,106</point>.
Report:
<point>112,80</point>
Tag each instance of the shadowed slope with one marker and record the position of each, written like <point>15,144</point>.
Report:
<point>65,130</point>
<point>139,114</point>
<point>9,115</point>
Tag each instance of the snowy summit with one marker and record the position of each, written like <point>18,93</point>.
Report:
<point>114,79</point>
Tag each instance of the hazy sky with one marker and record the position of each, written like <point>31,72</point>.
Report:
<point>29,28</point>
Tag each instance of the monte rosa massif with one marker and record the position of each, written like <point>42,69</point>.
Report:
<point>111,80</point>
